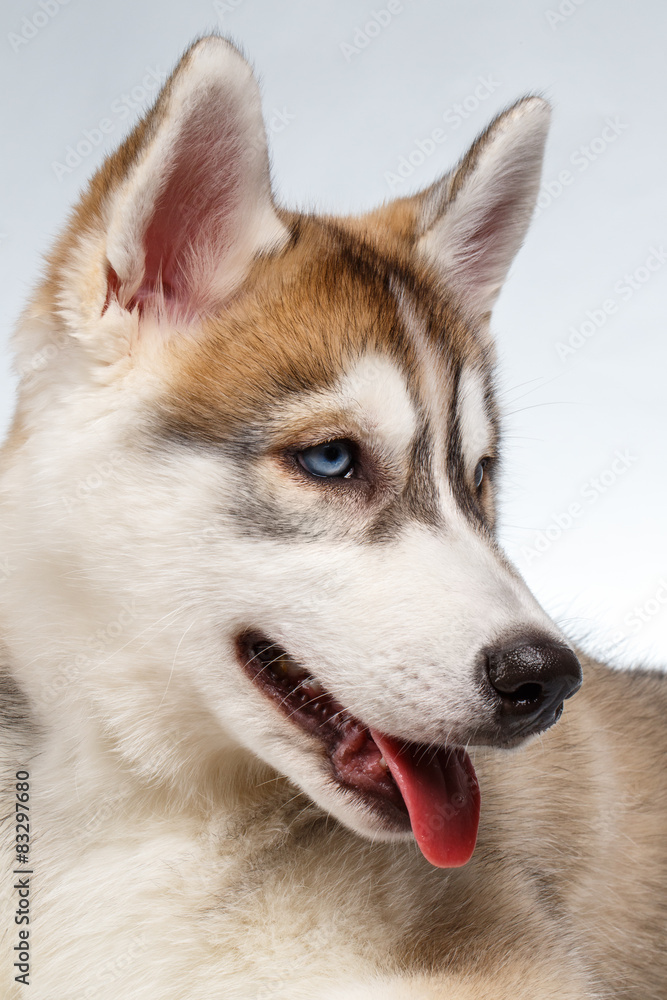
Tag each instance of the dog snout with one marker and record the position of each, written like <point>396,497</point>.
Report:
<point>530,679</point>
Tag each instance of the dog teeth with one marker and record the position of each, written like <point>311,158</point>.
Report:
<point>315,687</point>
<point>384,764</point>
<point>287,668</point>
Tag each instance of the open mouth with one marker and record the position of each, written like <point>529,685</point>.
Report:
<point>432,789</point>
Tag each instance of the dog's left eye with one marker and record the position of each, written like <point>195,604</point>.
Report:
<point>479,472</point>
<point>331,460</point>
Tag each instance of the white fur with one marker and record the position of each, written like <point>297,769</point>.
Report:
<point>366,389</point>
<point>476,428</point>
<point>360,398</point>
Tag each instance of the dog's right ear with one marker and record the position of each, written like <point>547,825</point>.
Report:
<point>173,220</point>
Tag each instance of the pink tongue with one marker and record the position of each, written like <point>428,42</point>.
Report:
<point>442,797</point>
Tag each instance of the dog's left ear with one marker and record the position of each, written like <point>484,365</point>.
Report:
<point>474,220</point>
<point>471,222</point>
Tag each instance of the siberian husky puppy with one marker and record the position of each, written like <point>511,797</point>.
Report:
<point>263,659</point>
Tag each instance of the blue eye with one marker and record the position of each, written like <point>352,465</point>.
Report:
<point>331,460</point>
<point>479,472</point>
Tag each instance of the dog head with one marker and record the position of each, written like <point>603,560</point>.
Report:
<point>274,438</point>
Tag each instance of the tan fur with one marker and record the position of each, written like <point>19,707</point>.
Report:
<point>170,861</point>
<point>271,332</point>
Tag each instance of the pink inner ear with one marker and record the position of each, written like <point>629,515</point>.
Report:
<point>485,251</point>
<point>195,216</point>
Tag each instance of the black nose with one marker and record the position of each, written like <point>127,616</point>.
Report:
<point>530,680</point>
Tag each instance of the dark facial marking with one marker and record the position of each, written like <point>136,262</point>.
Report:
<point>417,502</point>
<point>456,466</point>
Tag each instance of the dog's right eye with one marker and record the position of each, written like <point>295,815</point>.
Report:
<point>331,460</point>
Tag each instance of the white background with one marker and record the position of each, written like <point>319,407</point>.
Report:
<point>341,118</point>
